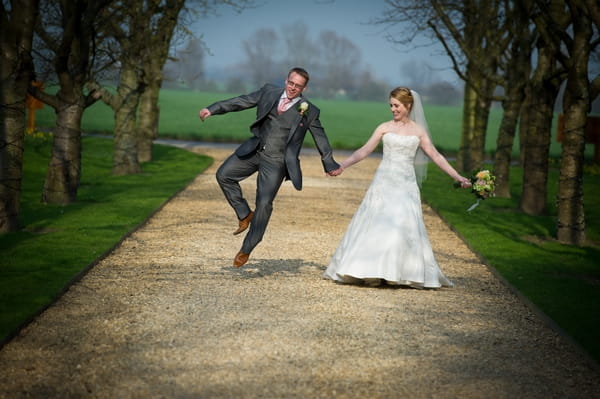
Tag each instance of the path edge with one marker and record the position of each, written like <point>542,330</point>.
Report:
<point>81,274</point>
<point>593,363</point>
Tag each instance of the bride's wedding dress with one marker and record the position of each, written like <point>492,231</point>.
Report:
<point>386,238</point>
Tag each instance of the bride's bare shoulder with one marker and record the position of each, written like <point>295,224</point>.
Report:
<point>386,126</point>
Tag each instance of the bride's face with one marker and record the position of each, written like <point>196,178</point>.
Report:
<point>399,110</point>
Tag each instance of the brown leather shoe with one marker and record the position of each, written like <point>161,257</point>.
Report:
<point>244,223</point>
<point>240,259</point>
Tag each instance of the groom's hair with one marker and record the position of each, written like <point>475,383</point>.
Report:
<point>300,71</point>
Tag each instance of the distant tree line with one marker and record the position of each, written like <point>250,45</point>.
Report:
<point>335,64</point>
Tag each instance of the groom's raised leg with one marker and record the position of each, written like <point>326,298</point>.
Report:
<point>270,176</point>
<point>229,174</point>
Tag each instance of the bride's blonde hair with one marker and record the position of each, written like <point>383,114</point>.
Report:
<point>403,95</point>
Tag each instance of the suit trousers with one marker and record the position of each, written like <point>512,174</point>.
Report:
<point>271,173</point>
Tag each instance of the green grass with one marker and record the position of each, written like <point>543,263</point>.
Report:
<point>348,123</point>
<point>58,242</point>
<point>563,281</point>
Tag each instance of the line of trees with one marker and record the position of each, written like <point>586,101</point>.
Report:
<point>526,50</point>
<point>334,62</point>
<point>77,44</point>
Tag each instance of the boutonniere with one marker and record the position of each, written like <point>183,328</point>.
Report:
<point>303,107</point>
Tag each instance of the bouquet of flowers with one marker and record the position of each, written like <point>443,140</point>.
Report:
<point>483,184</point>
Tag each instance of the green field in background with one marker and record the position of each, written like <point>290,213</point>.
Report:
<point>348,123</point>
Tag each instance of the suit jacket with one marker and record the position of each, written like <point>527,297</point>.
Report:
<point>264,100</point>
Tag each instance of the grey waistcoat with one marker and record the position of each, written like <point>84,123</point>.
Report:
<point>275,130</point>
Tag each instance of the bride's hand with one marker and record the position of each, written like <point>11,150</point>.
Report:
<point>336,172</point>
<point>465,183</point>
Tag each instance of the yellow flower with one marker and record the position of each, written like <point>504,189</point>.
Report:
<point>483,174</point>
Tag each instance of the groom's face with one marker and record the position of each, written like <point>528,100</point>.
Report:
<point>294,85</point>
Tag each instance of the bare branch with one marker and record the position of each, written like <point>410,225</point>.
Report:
<point>442,39</point>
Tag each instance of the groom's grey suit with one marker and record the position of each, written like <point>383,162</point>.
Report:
<point>272,151</point>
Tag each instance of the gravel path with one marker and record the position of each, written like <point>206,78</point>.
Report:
<point>165,315</point>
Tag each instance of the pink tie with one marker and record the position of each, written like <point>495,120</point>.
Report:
<point>282,105</point>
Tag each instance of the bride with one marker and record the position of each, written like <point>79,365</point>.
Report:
<point>386,240</point>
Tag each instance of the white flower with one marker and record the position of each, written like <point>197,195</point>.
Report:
<point>303,107</point>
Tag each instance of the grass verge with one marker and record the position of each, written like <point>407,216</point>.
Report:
<point>57,242</point>
<point>562,280</point>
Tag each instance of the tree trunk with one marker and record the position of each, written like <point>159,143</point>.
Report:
<point>463,159</point>
<point>505,141</point>
<point>148,122</point>
<point>517,68</point>
<point>482,114</point>
<point>475,118</point>
<point>540,106</point>
<point>524,122</point>
<point>125,159</point>
<point>66,36</point>
<point>155,56</point>
<point>16,73</point>
<point>64,170</point>
<point>576,105</point>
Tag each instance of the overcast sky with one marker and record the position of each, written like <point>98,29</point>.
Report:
<point>224,34</point>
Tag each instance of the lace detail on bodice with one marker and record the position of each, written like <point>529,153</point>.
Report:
<point>399,154</point>
<point>396,170</point>
<point>397,164</point>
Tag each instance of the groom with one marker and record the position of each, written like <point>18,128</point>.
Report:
<point>283,116</point>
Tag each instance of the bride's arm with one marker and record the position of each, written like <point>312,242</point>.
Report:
<point>365,150</point>
<point>440,161</point>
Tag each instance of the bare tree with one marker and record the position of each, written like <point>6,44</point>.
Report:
<point>143,30</point>
<point>131,27</point>
<point>187,64</point>
<point>482,38</point>
<point>538,110</point>
<point>300,50</point>
<point>416,74</point>
<point>334,62</point>
<point>370,89</point>
<point>261,63</point>
<point>340,59</point>
<point>573,51</point>
<point>68,33</point>
<point>162,20</point>
<point>474,36</point>
<point>515,66</point>
<point>128,27</point>
<point>16,72</point>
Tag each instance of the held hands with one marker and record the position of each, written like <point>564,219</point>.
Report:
<point>203,114</point>
<point>336,172</point>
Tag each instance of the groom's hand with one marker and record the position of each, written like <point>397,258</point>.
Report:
<point>204,113</point>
